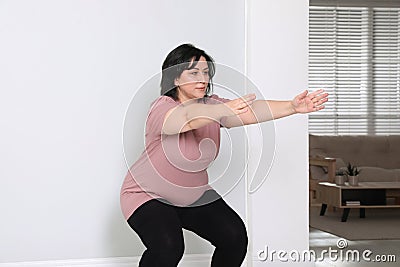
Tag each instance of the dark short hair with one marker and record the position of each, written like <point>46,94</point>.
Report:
<point>181,59</point>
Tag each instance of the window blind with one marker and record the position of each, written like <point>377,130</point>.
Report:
<point>354,54</point>
<point>386,70</point>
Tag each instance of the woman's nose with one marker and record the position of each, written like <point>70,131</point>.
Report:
<point>203,78</point>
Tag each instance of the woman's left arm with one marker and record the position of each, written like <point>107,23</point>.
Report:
<point>265,110</point>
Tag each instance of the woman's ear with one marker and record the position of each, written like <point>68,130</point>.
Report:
<point>176,82</point>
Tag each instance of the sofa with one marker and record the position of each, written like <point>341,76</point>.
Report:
<point>378,157</point>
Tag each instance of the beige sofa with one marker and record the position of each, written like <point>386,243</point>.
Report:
<point>378,157</point>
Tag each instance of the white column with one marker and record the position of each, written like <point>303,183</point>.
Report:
<point>277,49</point>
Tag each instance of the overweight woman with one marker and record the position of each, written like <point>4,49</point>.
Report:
<point>166,189</point>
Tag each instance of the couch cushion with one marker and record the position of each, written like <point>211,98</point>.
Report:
<point>374,174</point>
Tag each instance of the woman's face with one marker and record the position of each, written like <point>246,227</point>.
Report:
<point>193,82</point>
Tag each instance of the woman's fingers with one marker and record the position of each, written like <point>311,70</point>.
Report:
<point>319,91</point>
<point>240,105</point>
<point>249,96</point>
<point>318,97</point>
<point>246,100</point>
<point>321,99</point>
<point>243,110</point>
<point>303,94</point>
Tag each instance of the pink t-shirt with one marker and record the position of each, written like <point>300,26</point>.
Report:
<point>172,167</point>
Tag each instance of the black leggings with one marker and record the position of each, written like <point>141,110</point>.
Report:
<point>159,226</point>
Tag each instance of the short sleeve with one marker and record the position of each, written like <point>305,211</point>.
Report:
<point>156,115</point>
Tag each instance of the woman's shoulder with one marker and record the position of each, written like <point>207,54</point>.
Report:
<point>159,107</point>
<point>163,100</point>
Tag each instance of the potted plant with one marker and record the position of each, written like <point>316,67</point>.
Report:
<point>352,173</point>
<point>340,177</point>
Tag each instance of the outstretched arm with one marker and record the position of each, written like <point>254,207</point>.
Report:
<point>265,110</point>
<point>193,115</point>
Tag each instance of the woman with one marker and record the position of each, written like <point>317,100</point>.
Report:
<point>166,189</point>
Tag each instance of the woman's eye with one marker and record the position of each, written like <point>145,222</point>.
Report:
<point>194,73</point>
<point>205,73</point>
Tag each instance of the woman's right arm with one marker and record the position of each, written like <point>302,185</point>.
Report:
<point>193,115</point>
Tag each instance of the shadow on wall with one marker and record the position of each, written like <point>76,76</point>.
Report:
<point>121,240</point>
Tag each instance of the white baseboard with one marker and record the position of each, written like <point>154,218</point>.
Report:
<point>189,260</point>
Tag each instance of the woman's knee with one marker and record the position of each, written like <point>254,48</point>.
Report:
<point>160,230</point>
<point>172,245</point>
<point>232,250</point>
<point>234,237</point>
<point>167,250</point>
<point>240,239</point>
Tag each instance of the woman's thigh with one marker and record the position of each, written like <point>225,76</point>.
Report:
<point>158,226</point>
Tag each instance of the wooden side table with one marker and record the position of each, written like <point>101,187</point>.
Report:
<point>363,196</point>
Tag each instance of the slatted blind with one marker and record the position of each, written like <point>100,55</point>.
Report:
<point>386,70</point>
<point>354,53</point>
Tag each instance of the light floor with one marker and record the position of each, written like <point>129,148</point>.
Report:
<point>320,241</point>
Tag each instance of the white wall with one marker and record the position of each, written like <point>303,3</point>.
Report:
<point>68,72</point>
<point>277,63</point>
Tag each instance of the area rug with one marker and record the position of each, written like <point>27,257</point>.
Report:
<point>378,224</point>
